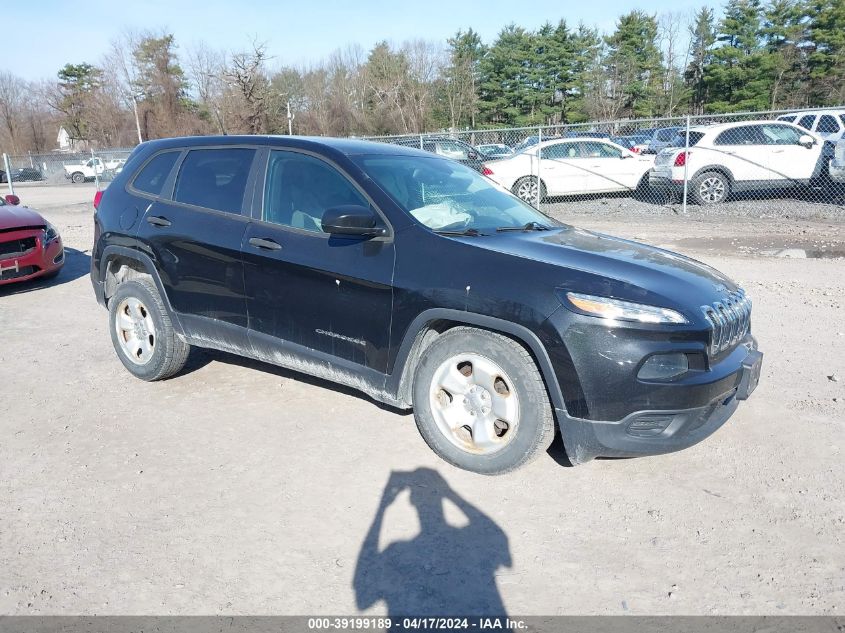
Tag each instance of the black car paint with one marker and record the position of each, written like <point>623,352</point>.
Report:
<point>356,310</point>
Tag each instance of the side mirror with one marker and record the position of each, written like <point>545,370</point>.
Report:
<point>807,141</point>
<point>472,154</point>
<point>12,199</point>
<point>352,219</point>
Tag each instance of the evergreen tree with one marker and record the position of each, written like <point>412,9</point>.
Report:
<point>740,74</point>
<point>702,38</point>
<point>77,88</point>
<point>633,65</point>
<point>827,59</point>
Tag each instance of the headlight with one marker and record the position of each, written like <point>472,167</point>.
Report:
<point>50,233</point>
<point>623,310</point>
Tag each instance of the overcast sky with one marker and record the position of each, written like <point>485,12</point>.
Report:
<point>46,34</point>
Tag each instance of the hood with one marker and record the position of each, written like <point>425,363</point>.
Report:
<point>13,217</point>
<point>604,265</point>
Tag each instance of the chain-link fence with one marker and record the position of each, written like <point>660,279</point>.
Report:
<point>759,159</point>
<point>61,168</point>
<point>763,158</point>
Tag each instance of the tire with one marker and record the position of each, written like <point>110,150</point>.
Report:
<point>710,187</point>
<point>502,400</point>
<point>144,338</point>
<point>77,177</point>
<point>526,189</point>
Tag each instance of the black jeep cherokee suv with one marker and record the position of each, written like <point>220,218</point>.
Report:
<point>418,281</point>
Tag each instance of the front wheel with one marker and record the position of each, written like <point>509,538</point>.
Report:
<point>526,189</point>
<point>480,402</point>
<point>711,187</point>
<point>142,333</point>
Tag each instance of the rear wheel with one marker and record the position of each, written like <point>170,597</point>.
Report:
<point>711,187</point>
<point>480,402</point>
<point>78,177</point>
<point>142,333</point>
<point>526,189</point>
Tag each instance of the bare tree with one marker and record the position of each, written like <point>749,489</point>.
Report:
<point>246,75</point>
<point>12,98</point>
<point>206,69</point>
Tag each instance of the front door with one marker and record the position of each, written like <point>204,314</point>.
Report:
<point>323,293</point>
<point>790,162</point>
<point>606,169</point>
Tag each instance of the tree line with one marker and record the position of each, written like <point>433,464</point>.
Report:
<point>755,56</point>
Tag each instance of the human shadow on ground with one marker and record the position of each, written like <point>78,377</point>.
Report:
<point>444,570</point>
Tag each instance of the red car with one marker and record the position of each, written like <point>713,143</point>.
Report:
<point>30,247</point>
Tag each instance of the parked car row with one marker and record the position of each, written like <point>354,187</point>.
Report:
<point>718,160</point>
<point>22,174</point>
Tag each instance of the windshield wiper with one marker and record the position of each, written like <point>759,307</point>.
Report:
<point>531,226</point>
<point>463,233</point>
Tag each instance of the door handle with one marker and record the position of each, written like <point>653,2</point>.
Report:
<point>265,243</point>
<point>157,220</point>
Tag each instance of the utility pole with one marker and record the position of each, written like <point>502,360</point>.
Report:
<point>290,119</point>
<point>137,120</point>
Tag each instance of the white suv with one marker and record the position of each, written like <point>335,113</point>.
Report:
<point>739,156</point>
<point>828,124</point>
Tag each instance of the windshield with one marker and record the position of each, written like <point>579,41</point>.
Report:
<point>447,196</point>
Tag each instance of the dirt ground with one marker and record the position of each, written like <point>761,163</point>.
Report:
<point>240,488</point>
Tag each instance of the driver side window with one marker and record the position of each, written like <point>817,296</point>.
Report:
<point>299,189</point>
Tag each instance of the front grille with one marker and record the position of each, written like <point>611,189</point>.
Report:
<point>730,321</point>
<point>17,248</point>
<point>24,271</point>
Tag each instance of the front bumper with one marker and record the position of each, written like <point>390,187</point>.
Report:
<point>33,262</point>
<point>654,432</point>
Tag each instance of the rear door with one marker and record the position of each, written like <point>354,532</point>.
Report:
<point>744,150</point>
<point>323,293</point>
<point>194,235</point>
<point>562,168</point>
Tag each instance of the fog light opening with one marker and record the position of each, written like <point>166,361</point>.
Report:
<point>664,367</point>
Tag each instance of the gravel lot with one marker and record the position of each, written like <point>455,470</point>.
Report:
<point>238,487</point>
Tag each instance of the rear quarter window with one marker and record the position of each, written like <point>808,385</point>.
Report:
<point>807,121</point>
<point>827,125</point>
<point>214,178</point>
<point>154,174</point>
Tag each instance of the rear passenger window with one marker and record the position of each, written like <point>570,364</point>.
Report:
<point>743,135</point>
<point>807,121</point>
<point>827,125</point>
<point>152,177</point>
<point>214,178</point>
